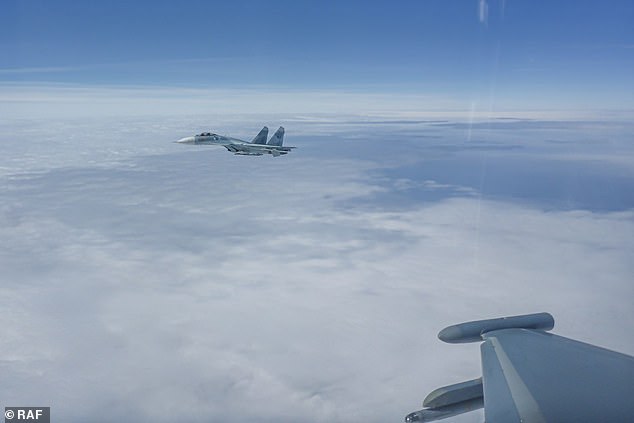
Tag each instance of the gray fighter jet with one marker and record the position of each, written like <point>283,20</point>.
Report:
<point>258,147</point>
<point>531,376</point>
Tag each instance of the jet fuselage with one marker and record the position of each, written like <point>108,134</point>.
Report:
<point>257,147</point>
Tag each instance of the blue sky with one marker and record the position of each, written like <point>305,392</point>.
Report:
<point>560,54</point>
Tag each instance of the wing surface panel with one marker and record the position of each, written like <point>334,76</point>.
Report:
<point>552,378</point>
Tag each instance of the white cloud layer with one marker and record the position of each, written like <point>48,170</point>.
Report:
<point>194,285</point>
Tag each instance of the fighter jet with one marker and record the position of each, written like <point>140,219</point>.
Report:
<point>531,376</point>
<point>258,147</point>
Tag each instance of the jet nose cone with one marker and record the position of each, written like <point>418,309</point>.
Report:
<point>186,140</point>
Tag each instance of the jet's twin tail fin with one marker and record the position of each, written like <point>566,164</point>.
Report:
<point>260,138</point>
<point>278,138</point>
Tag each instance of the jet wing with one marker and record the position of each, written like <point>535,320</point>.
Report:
<point>529,375</point>
<point>548,378</point>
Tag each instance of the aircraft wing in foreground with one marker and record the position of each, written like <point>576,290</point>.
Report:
<point>258,147</point>
<point>531,376</point>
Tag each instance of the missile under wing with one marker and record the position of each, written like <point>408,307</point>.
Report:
<point>530,375</point>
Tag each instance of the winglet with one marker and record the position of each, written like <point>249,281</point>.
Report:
<point>473,331</point>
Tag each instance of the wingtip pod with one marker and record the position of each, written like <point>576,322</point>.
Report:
<point>473,331</point>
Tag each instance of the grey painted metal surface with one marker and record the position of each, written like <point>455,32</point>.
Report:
<point>258,147</point>
<point>455,393</point>
<point>531,376</point>
<point>278,137</point>
<point>555,379</point>
<point>473,331</point>
<point>439,413</point>
<point>260,138</point>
